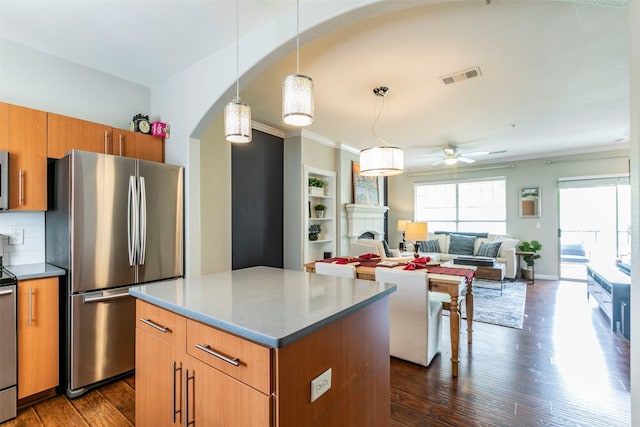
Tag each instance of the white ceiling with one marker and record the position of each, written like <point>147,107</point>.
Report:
<point>555,75</point>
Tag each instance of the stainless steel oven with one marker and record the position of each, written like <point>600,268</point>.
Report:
<point>9,347</point>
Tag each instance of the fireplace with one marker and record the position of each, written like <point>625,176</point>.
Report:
<point>365,219</point>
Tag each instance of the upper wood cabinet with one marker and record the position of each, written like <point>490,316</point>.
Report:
<point>28,159</point>
<point>138,145</point>
<point>66,133</point>
<point>4,126</point>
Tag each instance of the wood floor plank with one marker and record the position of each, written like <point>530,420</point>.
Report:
<point>98,410</point>
<point>27,417</point>
<point>59,412</point>
<point>122,396</point>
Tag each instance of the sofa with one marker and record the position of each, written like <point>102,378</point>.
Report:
<point>444,246</point>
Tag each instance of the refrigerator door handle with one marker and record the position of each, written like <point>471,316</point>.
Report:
<point>143,221</point>
<point>132,220</point>
<point>101,298</point>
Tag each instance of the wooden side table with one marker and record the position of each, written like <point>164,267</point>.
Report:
<point>519,254</point>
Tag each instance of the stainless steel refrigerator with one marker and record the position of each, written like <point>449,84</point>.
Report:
<point>112,222</point>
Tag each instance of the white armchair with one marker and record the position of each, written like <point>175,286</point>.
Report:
<point>415,323</point>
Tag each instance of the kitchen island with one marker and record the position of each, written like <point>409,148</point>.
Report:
<point>263,346</point>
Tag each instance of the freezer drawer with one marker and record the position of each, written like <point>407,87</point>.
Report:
<point>102,337</point>
<point>8,404</point>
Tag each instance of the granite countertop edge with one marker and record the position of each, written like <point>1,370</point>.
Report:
<point>250,334</point>
<point>35,270</point>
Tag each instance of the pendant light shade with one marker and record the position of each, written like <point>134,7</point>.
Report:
<point>237,116</point>
<point>237,122</point>
<point>297,100</point>
<point>297,90</point>
<point>381,161</point>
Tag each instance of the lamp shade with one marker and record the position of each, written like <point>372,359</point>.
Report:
<point>237,122</point>
<point>297,100</point>
<point>402,224</point>
<point>381,161</point>
<point>416,231</point>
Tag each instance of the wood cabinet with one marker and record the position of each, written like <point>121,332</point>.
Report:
<point>37,336</point>
<point>138,145</point>
<point>188,372</point>
<point>28,159</point>
<point>4,126</point>
<point>177,383</point>
<point>67,133</point>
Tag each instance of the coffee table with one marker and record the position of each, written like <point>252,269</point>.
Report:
<point>495,272</point>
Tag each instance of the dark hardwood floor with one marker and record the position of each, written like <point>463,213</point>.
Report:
<point>564,368</point>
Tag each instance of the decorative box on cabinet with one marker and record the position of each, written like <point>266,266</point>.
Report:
<point>37,337</point>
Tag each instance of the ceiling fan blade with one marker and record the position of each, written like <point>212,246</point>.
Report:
<point>477,153</point>
<point>465,159</point>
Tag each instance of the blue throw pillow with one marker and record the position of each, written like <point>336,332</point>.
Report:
<point>489,249</point>
<point>429,246</point>
<point>461,245</point>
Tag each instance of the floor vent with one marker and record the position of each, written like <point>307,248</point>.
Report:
<point>461,75</point>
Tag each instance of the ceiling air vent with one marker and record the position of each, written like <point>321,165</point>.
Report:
<point>461,75</point>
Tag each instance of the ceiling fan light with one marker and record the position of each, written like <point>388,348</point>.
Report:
<point>381,161</point>
<point>450,161</point>
<point>297,100</point>
<point>237,122</point>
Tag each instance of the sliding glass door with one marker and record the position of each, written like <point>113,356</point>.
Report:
<point>595,223</point>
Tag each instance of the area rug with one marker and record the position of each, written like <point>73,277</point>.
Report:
<point>491,307</point>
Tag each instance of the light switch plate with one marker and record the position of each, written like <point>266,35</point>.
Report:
<point>321,384</point>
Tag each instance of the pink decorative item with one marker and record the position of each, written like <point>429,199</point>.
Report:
<point>160,129</point>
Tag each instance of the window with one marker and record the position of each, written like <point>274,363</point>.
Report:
<point>473,206</point>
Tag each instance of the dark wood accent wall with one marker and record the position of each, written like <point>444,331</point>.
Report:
<point>257,202</point>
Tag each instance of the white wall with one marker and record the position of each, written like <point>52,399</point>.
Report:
<point>528,173</point>
<point>634,55</point>
<point>43,82</point>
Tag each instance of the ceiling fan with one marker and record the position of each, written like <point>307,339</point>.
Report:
<point>451,156</point>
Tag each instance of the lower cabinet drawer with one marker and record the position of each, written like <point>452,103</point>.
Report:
<point>244,360</point>
<point>158,322</point>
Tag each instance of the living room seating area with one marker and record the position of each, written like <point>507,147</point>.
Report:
<point>445,246</point>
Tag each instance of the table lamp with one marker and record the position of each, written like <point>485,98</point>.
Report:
<point>402,225</point>
<point>416,231</point>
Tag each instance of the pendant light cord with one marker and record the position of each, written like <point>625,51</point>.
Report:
<point>237,50</point>
<point>297,36</point>
<point>381,94</point>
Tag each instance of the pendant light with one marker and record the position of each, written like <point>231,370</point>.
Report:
<point>384,160</point>
<point>237,115</point>
<point>297,90</point>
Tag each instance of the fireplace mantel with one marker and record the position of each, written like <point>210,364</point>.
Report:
<point>365,218</point>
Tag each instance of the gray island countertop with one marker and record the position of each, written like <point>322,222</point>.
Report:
<point>270,306</point>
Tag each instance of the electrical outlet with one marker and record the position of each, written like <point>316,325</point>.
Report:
<point>321,384</point>
<point>16,236</point>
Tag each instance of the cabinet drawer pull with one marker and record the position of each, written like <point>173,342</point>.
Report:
<point>235,361</point>
<point>20,187</point>
<point>188,378</point>
<point>173,389</point>
<point>30,303</point>
<point>155,325</point>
